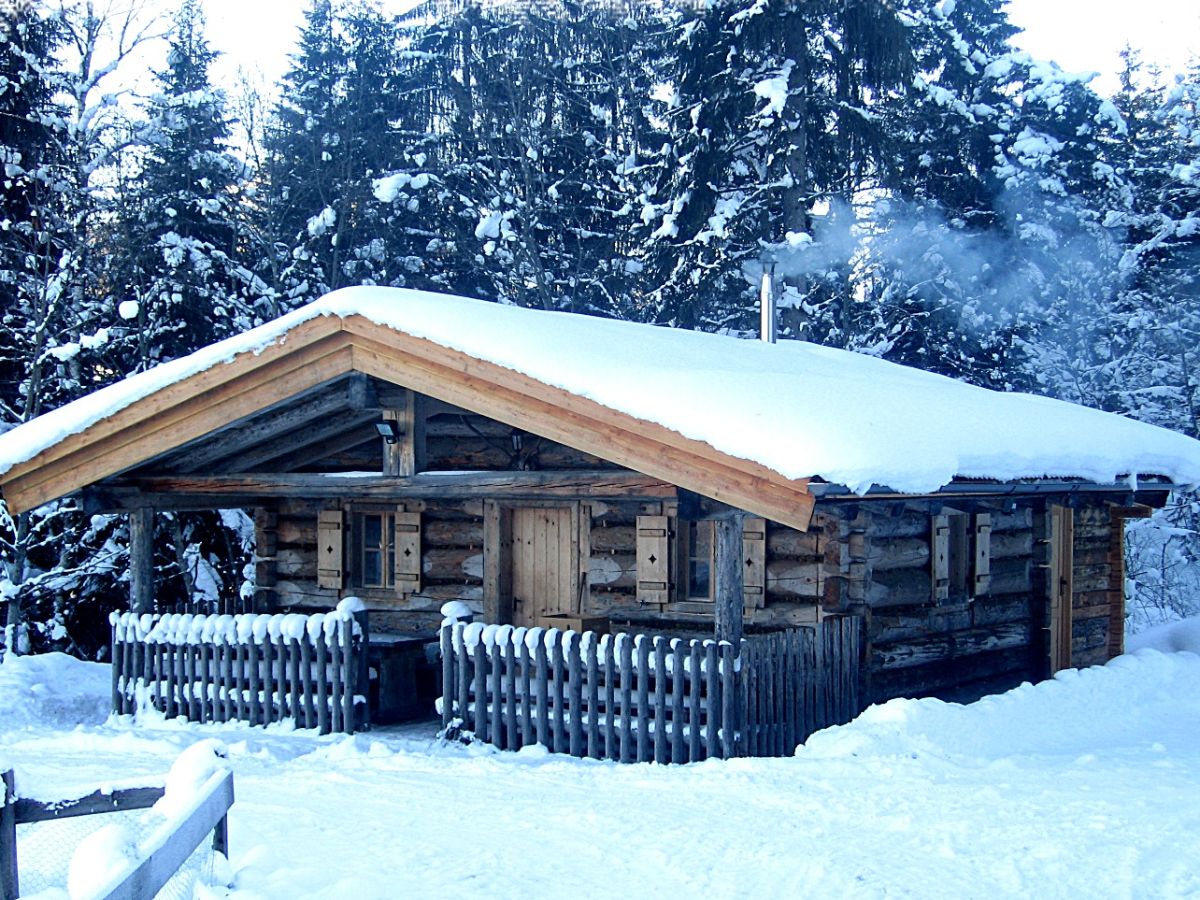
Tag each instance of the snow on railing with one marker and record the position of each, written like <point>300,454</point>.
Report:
<point>130,858</point>
<point>261,669</point>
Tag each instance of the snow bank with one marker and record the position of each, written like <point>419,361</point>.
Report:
<point>52,689</point>
<point>796,408</point>
<point>1172,637</point>
<point>1074,713</point>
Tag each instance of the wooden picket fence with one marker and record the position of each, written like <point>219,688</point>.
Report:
<point>257,669</point>
<point>640,698</point>
<point>798,681</point>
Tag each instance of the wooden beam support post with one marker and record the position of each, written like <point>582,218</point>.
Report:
<point>497,564</point>
<point>730,604</point>
<point>141,560</point>
<point>406,457</point>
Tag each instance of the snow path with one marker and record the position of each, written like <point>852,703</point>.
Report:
<point>1085,786</point>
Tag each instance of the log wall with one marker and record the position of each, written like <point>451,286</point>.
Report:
<point>452,565</point>
<point>867,558</point>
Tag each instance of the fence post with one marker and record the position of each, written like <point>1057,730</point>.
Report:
<point>9,888</point>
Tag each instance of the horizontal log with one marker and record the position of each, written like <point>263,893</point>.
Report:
<point>953,645</point>
<point>1009,544</point>
<point>998,610</point>
<point>902,587</point>
<point>788,542</point>
<point>787,578</point>
<point>430,599</point>
<point>1100,611</point>
<point>613,539</point>
<point>888,628</point>
<point>613,570</point>
<point>898,553</point>
<point>955,676</point>
<point>291,562</point>
<point>157,490</point>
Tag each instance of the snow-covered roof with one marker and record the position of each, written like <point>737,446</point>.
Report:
<point>795,408</point>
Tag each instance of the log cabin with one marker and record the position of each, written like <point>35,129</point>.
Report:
<point>545,468</point>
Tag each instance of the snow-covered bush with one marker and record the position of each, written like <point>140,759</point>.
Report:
<point>1162,566</point>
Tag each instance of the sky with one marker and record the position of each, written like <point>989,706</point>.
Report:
<point>1081,35</point>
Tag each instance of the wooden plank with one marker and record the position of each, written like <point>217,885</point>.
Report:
<point>592,699</point>
<point>678,708</point>
<point>575,743</point>
<point>983,554</point>
<point>653,559</point>
<point>337,721</point>
<point>542,689</point>
<point>712,692</point>
<point>754,562</point>
<point>644,646</point>
<point>661,748</point>
<point>446,639</point>
<point>526,688</point>
<point>611,675</point>
<point>496,691</point>
<point>407,552</point>
<point>628,753</point>
<point>331,566</point>
<point>694,684</point>
<point>512,734</point>
<point>463,678</point>
<point>317,688</point>
<point>558,694</point>
<point>729,697</point>
<point>479,717</point>
<point>940,540</point>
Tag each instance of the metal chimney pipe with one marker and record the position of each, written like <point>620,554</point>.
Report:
<point>767,300</point>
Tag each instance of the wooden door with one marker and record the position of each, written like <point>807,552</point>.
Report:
<point>1061,563</point>
<point>545,563</point>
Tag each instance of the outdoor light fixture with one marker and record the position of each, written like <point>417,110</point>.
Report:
<point>517,440</point>
<point>389,430</point>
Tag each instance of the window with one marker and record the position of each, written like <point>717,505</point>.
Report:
<point>374,537</point>
<point>700,560</point>
<point>961,556</point>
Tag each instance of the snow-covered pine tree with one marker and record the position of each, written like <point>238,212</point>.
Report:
<point>184,283</point>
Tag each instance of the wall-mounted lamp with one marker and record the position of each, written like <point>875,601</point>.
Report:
<point>517,440</point>
<point>389,430</point>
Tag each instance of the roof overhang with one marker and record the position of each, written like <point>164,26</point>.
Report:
<point>324,348</point>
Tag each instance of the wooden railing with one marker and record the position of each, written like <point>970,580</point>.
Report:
<point>258,669</point>
<point>639,698</point>
<point>159,858</point>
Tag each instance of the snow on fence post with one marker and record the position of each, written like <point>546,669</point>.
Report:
<point>252,668</point>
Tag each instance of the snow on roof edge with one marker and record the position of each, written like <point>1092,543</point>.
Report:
<point>797,408</point>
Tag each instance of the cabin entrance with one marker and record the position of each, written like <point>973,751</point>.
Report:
<point>545,563</point>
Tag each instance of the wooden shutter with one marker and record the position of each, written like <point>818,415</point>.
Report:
<point>983,554</point>
<point>940,559</point>
<point>408,552</point>
<point>331,570</point>
<point>754,562</point>
<point>653,559</point>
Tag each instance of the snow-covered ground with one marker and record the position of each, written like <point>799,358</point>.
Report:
<point>1085,786</point>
